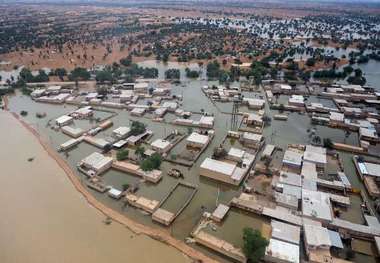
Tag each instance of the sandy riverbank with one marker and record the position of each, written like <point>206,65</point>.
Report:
<point>158,234</point>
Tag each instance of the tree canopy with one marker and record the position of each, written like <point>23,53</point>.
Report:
<point>122,154</point>
<point>254,244</point>
<point>137,128</point>
<point>172,74</point>
<point>79,74</point>
<point>152,162</point>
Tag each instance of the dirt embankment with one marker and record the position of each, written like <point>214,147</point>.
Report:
<point>158,234</point>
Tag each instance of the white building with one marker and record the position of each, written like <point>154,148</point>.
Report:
<point>90,96</point>
<point>97,162</point>
<point>254,119</point>
<point>282,252</point>
<point>368,134</point>
<point>115,193</point>
<point>254,103</point>
<point>83,112</point>
<point>285,232</point>
<point>296,100</point>
<point>53,89</point>
<point>161,91</point>
<point>336,118</point>
<point>285,87</point>
<point>206,122</point>
<point>138,111</point>
<point>309,171</point>
<point>290,179</point>
<point>197,140</point>
<point>252,139</point>
<point>161,146</point>
<point>292,158</point>
<point>160,112</point>
<point>121,132</point>
<point>235,154</point>
<point>141,87</point>
<point>315,155</point>
<point>126,95</point>
<point>38,93</point>
<point>63,120</point>
<point>316,237</point>
<point>316,205</point>
<point>220,212</point>
<point>268,150</point>
<point>222,171</point>
<point>73,132</point>
<point>170,105</point>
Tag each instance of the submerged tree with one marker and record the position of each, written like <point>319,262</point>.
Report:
<point>327,143</point>
<point>254,244</point>
<point>122,154</point>
<point>151,163</point>
<point>137,128</point>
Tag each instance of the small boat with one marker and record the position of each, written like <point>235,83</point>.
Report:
<point>107,221</point>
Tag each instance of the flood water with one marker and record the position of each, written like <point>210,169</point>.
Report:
<point>44,219</point>
<point>209,193</point>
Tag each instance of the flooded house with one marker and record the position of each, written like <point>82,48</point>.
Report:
<point>222,171</point>
<point>161,146</point>
<point>96,163</point>
<point>122,132</point>
<point>64,120</point>
<point>74,132</point>
<point>197,140</point>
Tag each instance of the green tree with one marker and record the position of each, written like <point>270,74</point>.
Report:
<point>257,71</point>
<point>140,151</point>
<point>152,162</point>
<point>26,75</point>
<point>213,69</point>
<point>41,77</point>
<point>223,76</point>
<point>125,186</point>
<point>146,165</point>
<point>348,69</point>
<point>137,128</point>
<point>172,74</point>
<point>60,72</point>
<point>254,244</point>
<point>79,74</point>
<point>104,76</point>
<point>310,62</point>
<point>193,74</point>
<point>122,154</point>
<point>327,143</point>
<point>126,61</point>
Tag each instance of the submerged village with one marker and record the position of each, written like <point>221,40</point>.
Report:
<point>217,152</point>
<point>169,159</point>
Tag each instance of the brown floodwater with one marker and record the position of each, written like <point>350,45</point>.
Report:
<point>210,193</point>
<point>44,219</point>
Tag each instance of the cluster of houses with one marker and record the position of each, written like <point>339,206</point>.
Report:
<point>354,110</point>
<point>303,198</point>
<point>303,201</point>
